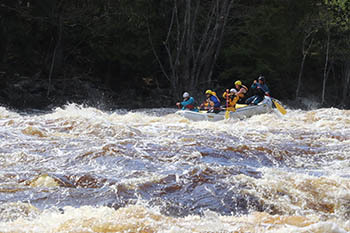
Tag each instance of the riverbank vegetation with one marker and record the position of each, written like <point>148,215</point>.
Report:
<point>153,50</point>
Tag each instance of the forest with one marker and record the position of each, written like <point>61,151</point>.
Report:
<point>146,53</point>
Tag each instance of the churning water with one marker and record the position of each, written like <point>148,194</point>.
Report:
<point>79,169</point>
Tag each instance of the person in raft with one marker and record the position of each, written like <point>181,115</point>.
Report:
<point>241,91</point>
<point>187,103</point>
<point>212,103</point>
<point>260,90</point>
<point>230,97</point>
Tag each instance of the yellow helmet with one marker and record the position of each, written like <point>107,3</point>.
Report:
<point>238,82</point>
<point>208,92</point>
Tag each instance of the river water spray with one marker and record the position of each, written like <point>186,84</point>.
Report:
<point>79,169</point>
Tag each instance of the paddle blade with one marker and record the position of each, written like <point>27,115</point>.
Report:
<point>279,107</point>
<point>227,114</point>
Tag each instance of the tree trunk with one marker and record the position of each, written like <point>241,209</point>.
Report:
<point>305,52</point>
<point>346,83</point>
<point>325,70</point>
<point>4,40</point>
<point>192,45</point>
<point>57,47</point>
<point>300,75</point>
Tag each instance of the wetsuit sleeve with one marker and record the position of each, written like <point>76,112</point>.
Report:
<point>253,86</point>
<point>264,89</point>
<point>267,90</point>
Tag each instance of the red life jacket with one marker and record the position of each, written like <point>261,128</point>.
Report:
<point>189,106</point>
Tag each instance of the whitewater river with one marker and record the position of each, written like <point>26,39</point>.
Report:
<point>79,169</point>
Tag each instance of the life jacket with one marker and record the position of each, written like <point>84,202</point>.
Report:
<point>214,94</point>
<point>189,106</point>
<point>214,101</point>
<point>231,99</point>
<point>188,103</point>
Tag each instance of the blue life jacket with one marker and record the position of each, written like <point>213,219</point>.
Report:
<point>215,100</point>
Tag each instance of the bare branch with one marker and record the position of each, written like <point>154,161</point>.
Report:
<point>155,53</point>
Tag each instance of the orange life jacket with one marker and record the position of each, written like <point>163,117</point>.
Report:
<point>231,99</point>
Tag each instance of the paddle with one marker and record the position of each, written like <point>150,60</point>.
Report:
<point>279,106</point>
<point>227,113</point>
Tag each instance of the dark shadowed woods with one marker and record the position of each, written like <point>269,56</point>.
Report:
<point>145,53</point>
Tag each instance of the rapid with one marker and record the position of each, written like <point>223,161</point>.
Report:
<point>80,169</point>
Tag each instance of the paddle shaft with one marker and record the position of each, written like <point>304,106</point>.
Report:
<point>227,99</point>
<point>227,113</point>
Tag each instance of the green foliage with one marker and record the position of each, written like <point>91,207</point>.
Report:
<point>340,10</point>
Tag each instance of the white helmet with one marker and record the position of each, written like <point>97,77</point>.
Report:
<point>233,90</point>
<point>186,95</point>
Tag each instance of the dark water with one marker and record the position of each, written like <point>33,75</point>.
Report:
<point>79,169</point>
